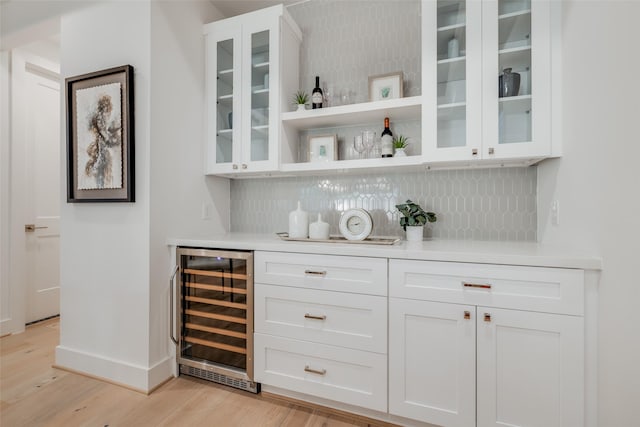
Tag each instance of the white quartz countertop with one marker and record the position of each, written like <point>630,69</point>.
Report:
<point>488,252</point>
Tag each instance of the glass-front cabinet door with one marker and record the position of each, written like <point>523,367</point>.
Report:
<point>517,82</point>
<point>487,79</point>
<point>452,69</point>
<point>261,58</point>
<point>224,101</point>
<point>243,84</point>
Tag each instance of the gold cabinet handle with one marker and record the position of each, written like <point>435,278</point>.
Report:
<point>467,315</point>
<point>315,371</point>
<point>315,273</point>
<point>476,285</point>
<point>311,316</point>
<point>30,228</point>
<point>487,317</point>
<point>474,151</point>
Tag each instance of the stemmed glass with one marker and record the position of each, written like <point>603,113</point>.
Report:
<point>368,139</point>
<point>358,146</point>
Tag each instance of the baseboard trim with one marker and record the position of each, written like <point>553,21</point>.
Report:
<point>315,406</point>
<point>137,378</point>
<point>355,413</point>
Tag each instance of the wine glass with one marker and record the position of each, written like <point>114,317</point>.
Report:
<point>358,146</point>
<point>368,140</point>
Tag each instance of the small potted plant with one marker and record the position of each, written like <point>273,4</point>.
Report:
<point>301,99</point>
<point>414,219</point>
<point>399,144</point>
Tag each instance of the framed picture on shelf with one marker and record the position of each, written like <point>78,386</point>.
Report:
<point>323,148</point>
<point>385,86</point>
<point>100,136</point>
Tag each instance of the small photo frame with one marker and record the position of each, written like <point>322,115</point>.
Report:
<point>323,148</point>
<point>385,86</point>
<point>100,136</point>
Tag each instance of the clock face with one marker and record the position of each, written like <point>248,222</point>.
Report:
<point>356,224</point>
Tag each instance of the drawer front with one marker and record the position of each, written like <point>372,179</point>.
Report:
<point>345,375</point>
<point>327,272</point>
<point>335,318</point>
<point>549,290</point>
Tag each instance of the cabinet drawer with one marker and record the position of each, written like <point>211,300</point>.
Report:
<point>333,273</point>
<point>345,375</point>
<point>341,319</point>
<point>550,290</point>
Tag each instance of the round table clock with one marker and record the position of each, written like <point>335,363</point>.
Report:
<point>356,224</point>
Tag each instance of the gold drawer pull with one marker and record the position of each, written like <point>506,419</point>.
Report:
<point>311,316</point>
<point>315,273</point>
<point>476,285</point>
<point>467,315</point>
<point>487,317</point>
<point>315,371</point>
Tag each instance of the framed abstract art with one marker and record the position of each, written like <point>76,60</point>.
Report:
<point>100,136</point>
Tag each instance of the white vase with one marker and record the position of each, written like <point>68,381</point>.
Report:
<point>415,233</point>
<point>399,153</point>
<point>302,107</point>
<point>298,224</point>
<point>319,230</point>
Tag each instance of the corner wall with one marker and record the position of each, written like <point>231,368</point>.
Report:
<point>178,185</point>
<point>596,183</point>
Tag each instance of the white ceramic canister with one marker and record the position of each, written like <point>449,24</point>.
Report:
<point>298,224</point>
<point>319,230</point>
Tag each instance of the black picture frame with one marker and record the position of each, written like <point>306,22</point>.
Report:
<point>100,136</point>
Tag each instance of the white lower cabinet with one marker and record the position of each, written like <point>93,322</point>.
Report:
<point>432,362</point>
<point>342,374</point>
<point>455,364</point>
<point>320,326</point>
<point>446,343</point>
<point>530,369</point>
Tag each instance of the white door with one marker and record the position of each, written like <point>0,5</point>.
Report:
<point>42,195</point>
<point>432,362</point>
<point>530,369</point>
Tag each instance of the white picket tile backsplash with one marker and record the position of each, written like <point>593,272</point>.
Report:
<point>480,204</point>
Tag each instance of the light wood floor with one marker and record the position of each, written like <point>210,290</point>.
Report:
<point>35,394</point>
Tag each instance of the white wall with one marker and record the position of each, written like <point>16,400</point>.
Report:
<point>104,263</point>
<point>178,185</point>
<point>115,262</point>
<point>597,184</point>
<point>5,294</point>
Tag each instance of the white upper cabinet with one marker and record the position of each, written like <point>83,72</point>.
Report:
<point>487,74</point>
<point>246,80</point>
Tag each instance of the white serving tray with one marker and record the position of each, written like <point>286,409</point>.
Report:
<point>339,239</point>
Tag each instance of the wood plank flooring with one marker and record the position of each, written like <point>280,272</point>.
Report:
<point>32,393</point>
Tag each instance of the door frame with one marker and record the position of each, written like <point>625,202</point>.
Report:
<point>13,262</point>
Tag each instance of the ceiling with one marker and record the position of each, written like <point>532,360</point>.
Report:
<point>237,7</point>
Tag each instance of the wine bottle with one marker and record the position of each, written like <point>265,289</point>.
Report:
<point>386,143</point>
<point>317,95</point>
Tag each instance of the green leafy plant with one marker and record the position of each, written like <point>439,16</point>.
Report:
<point>400,142</point>
<point>413,214</point>
<point>301,98</point>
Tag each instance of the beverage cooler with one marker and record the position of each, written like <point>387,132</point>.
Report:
<point>212,325</point>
